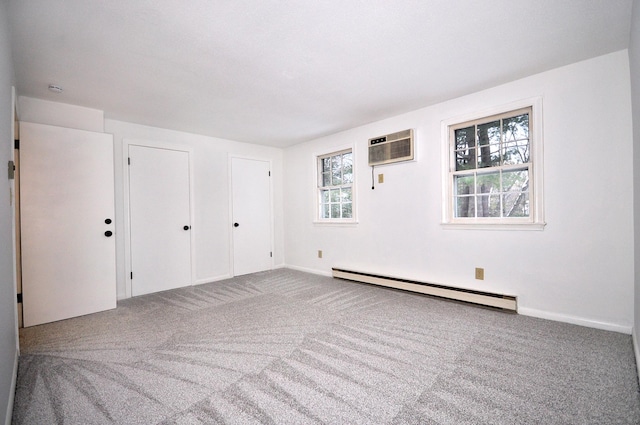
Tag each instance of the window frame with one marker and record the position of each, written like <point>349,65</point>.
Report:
<point>318,219</point>
<point>535,221</point>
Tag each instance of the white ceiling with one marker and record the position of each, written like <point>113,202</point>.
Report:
<point>281,72</point>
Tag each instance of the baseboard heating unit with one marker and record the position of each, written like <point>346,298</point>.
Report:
<point>505,302</point>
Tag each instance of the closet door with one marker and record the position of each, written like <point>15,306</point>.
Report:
<point>160,217</point>
<point>251,203</point>
<point>67,213</point>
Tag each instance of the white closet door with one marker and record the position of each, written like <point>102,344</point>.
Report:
<point>251,204</point>
<point>67,213</point>
<point>159,208</point>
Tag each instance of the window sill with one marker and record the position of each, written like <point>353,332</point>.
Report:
<point>335,223</point>
<point>493,226</point>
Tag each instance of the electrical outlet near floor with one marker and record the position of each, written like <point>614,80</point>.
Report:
<point>319,253</point>
<point>479,273</point>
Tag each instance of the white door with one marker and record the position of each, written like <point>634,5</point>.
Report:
<point>251,218</point>
<point>160,217</point>
<point>67,212</point>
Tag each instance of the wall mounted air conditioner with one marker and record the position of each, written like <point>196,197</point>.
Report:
<point>394,147</point>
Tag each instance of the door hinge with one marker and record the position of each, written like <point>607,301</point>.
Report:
<point>269,173</point>
<point>128,161</point>
<point>20,298</point>
<point>12,170</point>
<point>131,275</point>
<point>271,254</point>
<point>16,144</point>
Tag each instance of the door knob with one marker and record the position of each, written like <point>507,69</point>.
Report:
<point>236,224</point>
<point>108,233</point>
<point>108,221</point>
<point>186,227</point>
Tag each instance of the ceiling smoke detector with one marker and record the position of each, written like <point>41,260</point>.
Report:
<point>55,88</point>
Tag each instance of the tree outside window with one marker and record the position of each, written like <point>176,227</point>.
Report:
<point>335,186</point>
<point>491,167</point>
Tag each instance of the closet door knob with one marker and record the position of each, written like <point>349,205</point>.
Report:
<point>236,224</point>
<point>186,227</point>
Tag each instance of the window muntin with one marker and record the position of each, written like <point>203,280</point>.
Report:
<point>491,169</point>
<point>335,186</point>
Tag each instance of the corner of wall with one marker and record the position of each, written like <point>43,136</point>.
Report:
<point>636,351</point>
<point>12,393</point>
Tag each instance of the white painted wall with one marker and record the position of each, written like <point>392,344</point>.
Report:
<point>60,114</point>
<point>211,191</point>
<point>578,269</point>
<point>634,64</point>
<point>8,318</point>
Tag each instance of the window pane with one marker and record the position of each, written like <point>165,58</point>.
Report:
<point>516,152</point>
<point>465,148</point>
<point>325,211</point>
<point>488,183</point>
<point>516,204</point>
<point>335,195</point>
<point>347,168</point>
<point>346,195</point>
<point>336,177</point>
<point>464,185</point>
<point>489,155</point>
<point>516,128</point>
<point>466,160</point>
<point>346,210</point>
<point>326,179</point>
<point>335,210</point>
<point>489,133</point>
<point>326,164</point>
<point>465,206</point>
<point>324,196</point>
<point>465,138</point>
<point>517,180</point>
<point>489,205</point>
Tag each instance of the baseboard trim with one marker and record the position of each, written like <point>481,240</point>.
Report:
<point>14,380</point>
<point>307,270</point>
<point>574,320</point>
<point>212,279</point>
<point>636,351</point>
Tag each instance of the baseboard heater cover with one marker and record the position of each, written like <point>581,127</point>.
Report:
<point>505,302</point>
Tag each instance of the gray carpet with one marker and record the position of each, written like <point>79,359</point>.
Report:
<point>285,347</point>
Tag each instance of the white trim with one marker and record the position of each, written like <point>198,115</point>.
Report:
<point>574,320</point>
<point>12,391</point>
<point>307,270</point>
<point>212,279</point>
<point>126,143</point>
<point>636,351</point>
<point>494,226</point>
<point>536,221</point>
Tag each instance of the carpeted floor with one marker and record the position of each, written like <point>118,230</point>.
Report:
<point>286,347</point>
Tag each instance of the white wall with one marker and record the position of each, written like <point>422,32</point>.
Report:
<point>578,269</point>
<point>60,114</point>
<point>8,323</point>
<point>211,186</point>
<point>634,62</point>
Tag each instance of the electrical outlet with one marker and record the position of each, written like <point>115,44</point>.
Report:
<point>319,253</point>
<point>380,178</point>
<point>479,273</point>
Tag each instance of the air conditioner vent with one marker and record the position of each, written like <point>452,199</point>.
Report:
<point>394,147</point>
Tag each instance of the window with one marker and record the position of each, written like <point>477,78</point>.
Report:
<point>335,187</point>
<point>493,174</point>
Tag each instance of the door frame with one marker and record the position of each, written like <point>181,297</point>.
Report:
<point>126,142</point>
<point>230,159</point>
